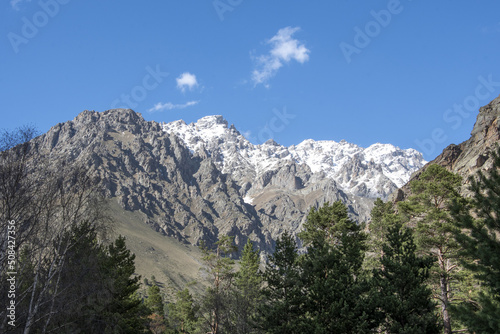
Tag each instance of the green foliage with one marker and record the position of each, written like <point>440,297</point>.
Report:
<point>182,313</point>
<point>326,224</point>
<point>83,278</point>
<point>77,289</point>
<point>155,300</point>
<point>220,268</point>
<point>380,221</point>
<point>429,206</point>
<point>400,290</point>
<point>281,311</point>
<point>336,295</point>
<point>95,292</point>
<point>124,313</point>
<point>219,264</point>
<point>248,276</point>
<point>480,241</point>
<point>247,290</point>
<point>383,217</point>
<point>433,193</point>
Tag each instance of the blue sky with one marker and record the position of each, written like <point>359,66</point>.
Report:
<point>409,73</point>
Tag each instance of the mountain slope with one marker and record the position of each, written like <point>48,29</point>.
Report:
<point>145,169</point>
<point>198,181</point>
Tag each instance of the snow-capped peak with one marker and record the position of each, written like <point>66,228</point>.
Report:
<point>209,122</point>
<point>371,172</point>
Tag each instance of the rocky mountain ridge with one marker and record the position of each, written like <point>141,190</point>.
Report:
<point>372,172</point>
<point>196,182</point>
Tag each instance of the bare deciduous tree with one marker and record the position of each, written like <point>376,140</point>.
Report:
<point>45,202</point>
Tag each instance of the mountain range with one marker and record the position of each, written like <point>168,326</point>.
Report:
<point>171,185</point>
<point>197,181</point>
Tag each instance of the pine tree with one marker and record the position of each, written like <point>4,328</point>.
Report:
<point>75,302</point>
<point>72,304</point>
<point>400,284</point>
<point>220,268</point>
<point>480,240</point>
<point>281,311</point>
<point>182,313</point>
<point>247,294</point>
<point>124,313</point>
<point>383,217</point>
<point>378,226</point>
<point>155,300</point>
<point>336,293</point>
<point>429,205</point>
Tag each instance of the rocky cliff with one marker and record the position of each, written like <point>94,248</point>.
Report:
<point>472,155</point>
<point>195,182</point>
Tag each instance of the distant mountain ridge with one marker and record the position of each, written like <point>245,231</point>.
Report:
<point>199,181</point>
<point>372,172</point>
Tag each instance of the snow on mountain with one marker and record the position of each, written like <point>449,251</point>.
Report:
<point>371,172</point>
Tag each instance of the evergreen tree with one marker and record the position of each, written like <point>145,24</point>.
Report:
<point>89,295</point>
<point>480,241</point>
<point>124,313</point>
<point>336,294</point>
<point>75,302</point>
<point>380,224</point>
<point>220,267</point>
<point>76,290</point>
<point>401,292</point>
<point>383,217</point>
<point>433,193</point>
<point>281,311</point>
<point>182,313</point>
<point>247,294</point>
<point>155,300</point>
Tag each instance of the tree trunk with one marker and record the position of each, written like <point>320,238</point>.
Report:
<point>444,303</point>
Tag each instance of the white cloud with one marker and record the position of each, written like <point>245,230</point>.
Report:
<point>284,49</point>
<point>169,106</point>
<point>186,80</point>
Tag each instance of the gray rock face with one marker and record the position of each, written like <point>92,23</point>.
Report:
<point>472,155</point>
<point>196,182</point>
<point>308,174</point>
<point>147,169</point>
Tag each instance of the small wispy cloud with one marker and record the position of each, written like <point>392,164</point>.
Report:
<point>186,80</point>
<point>170,106</point>
<point>15,3</point>
<point>284,49</point>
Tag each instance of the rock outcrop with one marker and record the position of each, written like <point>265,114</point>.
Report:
<point>472,155</point>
